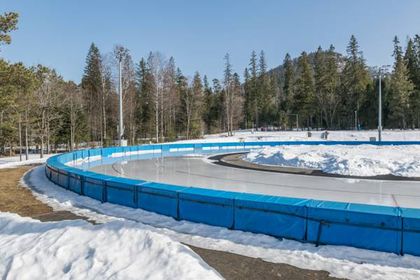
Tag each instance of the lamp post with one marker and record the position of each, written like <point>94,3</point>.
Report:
<point>120,52</point>
<point>380,107</point>
<point>121,128</point>
<point>380,70</point>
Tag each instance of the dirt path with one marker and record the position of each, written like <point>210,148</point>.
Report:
<point>237,267</point>
<point>17,199</point>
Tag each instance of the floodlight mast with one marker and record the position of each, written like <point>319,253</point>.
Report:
<point>380,107</point>
<point>380,71</point>
<point>121,126</point>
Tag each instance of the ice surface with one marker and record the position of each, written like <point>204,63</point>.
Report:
<point>201,173</point>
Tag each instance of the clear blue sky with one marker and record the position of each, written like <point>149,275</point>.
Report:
<point>199,33</point>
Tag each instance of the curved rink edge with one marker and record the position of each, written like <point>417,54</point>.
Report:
<point>382,228</point>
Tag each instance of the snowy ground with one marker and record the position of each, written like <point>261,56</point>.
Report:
<point>79,250</point>
<point>340,261</point>
<point>10,162</point>
<point>363,160</point>
<point>341,135</point>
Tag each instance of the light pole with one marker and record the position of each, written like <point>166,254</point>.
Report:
<point>121,126</point>
<point>383,67</point>
<point>380,107</point>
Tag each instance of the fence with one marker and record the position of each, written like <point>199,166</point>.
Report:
<point>382,228</point>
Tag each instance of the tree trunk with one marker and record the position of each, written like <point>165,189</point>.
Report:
<point>20,138</point>
<point>26,135</point>
<point>157,113</point>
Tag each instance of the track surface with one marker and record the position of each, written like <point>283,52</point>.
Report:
<point>200,172</point>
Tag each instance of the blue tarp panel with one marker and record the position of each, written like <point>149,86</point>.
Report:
<point>94,186</point>
<point>159,198</point>
<point>122,191</point>
<point>411,226</point>
<point>207,206</point>
<point>75,183</point>
<point>95,152</point>
<point>277,216</point>
<point>63,178</point>
<point>357,225</point>
<point>54,175</point>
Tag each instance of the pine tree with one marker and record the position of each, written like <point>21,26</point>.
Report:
<point>248,112</point>
<point>254,94</point>
<point>208,105</point>
<point>265,102</point>
<point>326,78</point>
<point>8,23</point>
<point>400,89</point>
<point>304,92</point>
<point>289,80</point>
<point>412,60</point>
<point>92,91</point>
<point>228,90</point>
<point>197,91</point>
<point>145,110</point>
<point>355,80</point>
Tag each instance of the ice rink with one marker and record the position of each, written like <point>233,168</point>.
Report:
<point>198,171</point>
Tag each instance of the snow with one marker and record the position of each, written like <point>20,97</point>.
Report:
<point>79,250</point>
<point>363,160</point>
<point>340,261</point>
<point>11,162</point>
<point>339,135</point>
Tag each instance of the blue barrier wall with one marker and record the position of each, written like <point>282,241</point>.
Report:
<point>388,229</point>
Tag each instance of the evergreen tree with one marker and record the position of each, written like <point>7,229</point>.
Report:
<point>289,80</point>
<point>400,89</point>
<point>254,94</point>
<point>412,60</point>
<point>208,106</point>
<point>265,101</point>
<point>197,106</point>
<point>8,23</point>
<point>145,110</point>
<point>92,91</point>
<point>304,92</point>
<point>326,78</point>
<point>355,80</point>
<point>228,90</point>
<point>248,101</point>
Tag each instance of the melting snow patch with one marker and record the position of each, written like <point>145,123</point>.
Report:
<point>79,250</point>
<point>362,160</point>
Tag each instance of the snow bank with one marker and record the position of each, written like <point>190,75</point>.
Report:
<point>79,250</point>
<point>11,162</point>
<point>340,135</point>
<point>363,160</point>
<point>340,261</point>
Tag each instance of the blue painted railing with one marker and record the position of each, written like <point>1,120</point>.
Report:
<point>382,228</point>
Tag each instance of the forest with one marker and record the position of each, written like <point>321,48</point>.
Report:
<point>321,89</point>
